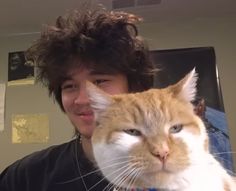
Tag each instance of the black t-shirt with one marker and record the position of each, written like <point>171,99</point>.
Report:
<point>57,168</point>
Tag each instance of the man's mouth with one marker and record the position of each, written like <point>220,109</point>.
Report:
<point>86,115</point>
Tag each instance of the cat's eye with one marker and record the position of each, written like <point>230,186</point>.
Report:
<point>176,128</point>
<point>133,132</point>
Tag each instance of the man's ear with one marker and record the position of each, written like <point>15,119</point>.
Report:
<point>99,100</point>
<point>186,88</point>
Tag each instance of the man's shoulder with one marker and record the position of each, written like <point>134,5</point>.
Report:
<point>52,152</point>
<point>42,159</point>
<point>37,170</point>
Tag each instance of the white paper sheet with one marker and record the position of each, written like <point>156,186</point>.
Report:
<point>2,105</point>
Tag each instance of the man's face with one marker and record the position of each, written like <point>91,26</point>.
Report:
<point>75,99</point>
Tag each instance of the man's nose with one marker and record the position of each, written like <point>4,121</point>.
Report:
<point>81,96</point>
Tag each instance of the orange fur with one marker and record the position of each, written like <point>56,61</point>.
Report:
<point>157,149</point>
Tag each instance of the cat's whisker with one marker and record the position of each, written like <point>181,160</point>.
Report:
<point>116,177</point>
<point>185,181</point>
<point>123,175</point>
<point>126,177</point>
<point>137,175</point>
<point>115,164</point>
<point>228,152</point>
<point>107,176</point>
<point>102,168</point>
<point>134,178</point>
<point>117,161</point>
<point>92,172</point>
<point>80,177</point>
<point>112,165</point>
<point>111,187</point>
<point>124,167</point>
<point>219,157</point>
<point>222,160</point>
<point>119,158</point>
<point>231,172</point>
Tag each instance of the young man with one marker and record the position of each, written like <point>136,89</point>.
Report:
<point>104,48</point>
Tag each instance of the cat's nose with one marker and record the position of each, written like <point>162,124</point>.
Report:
<point>162,155</point>
<point>160,150</point>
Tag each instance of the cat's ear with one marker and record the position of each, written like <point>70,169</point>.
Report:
<point>186,88</point>
<point>99,100</point>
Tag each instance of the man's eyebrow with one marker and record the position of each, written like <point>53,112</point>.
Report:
<point>101,72</point>
<point>65,78</point>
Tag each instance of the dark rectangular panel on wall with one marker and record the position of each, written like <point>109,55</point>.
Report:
<point>174,65</point>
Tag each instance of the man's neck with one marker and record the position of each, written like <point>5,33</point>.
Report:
<point>87,147</point>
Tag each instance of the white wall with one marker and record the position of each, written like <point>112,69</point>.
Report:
<point>219,33</point>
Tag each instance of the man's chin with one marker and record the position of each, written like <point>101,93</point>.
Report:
<point>86,136</point>
<point>84,129</point>
<point>85,132</point>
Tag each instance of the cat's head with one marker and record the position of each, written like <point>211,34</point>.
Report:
<point>145,139</point>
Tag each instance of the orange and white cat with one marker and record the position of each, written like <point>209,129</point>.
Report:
<point>154,139</point>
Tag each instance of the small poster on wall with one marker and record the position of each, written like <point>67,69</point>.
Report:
<point>174,64</point>
<point>20,72</point>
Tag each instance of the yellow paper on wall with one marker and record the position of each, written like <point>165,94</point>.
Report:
<point>30,128</point>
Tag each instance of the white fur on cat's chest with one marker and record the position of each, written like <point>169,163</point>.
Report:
<point>209,176</point>
<point>197,178</point>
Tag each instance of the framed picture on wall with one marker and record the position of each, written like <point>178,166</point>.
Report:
<point>174,65</point>
<point>19,71</point>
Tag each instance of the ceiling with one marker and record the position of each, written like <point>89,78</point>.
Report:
<point>27,16</point>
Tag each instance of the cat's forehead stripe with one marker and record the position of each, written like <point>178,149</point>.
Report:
<point>137,112</point>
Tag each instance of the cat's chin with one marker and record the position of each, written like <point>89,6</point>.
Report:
<point>162,179</point>
<point>155,177</point>
<point>162,170</point>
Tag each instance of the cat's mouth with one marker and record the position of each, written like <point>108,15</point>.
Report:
<point>158,168</point>
<point>161,171</point>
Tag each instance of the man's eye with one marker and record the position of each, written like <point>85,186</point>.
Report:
<point>97,82</point>
<point>65,87</point>
<point>68,87</point>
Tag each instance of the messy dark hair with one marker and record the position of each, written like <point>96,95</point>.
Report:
<point>100,40</point>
